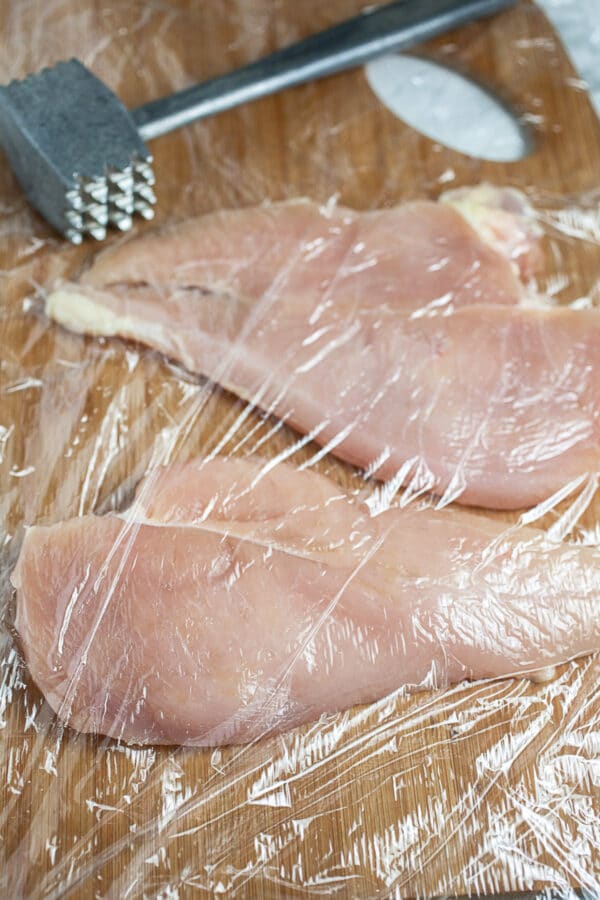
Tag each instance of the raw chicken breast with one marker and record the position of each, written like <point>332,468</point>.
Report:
<point>234,599</point>
<point>394,338</point>
<point>299,253</point>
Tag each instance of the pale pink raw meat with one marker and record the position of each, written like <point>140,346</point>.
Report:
<point>299,252</point>
<point>503,218</point>
<point>234,599</point>
<point>394,338</point>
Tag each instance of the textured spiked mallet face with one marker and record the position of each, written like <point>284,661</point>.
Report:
<point>76,151</point>
<point>110,200</point>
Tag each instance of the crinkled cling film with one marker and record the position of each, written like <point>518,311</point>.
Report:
<point>300,572</point>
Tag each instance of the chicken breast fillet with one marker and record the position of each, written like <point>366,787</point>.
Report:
<point>234,599</point>
<point>397,339</point>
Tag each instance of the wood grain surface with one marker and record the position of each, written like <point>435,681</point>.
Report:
<point>482,789</point>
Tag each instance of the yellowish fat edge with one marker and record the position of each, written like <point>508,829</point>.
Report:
<point>77,312</point>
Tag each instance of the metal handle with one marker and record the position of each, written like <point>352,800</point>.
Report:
<point>349,44</point>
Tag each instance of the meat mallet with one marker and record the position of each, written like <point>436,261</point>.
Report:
<point>81,156</point>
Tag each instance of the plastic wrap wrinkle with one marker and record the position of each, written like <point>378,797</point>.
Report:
<point>251,468</point>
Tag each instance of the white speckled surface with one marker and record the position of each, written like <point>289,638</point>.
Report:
<point>578,23</point>
<point>451,110</point>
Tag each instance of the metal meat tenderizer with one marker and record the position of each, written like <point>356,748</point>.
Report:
<point>80,155</point>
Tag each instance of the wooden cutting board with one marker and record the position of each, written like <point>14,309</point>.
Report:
<point>486,788</point>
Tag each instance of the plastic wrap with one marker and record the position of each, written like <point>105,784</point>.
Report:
<point>216,574</point>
